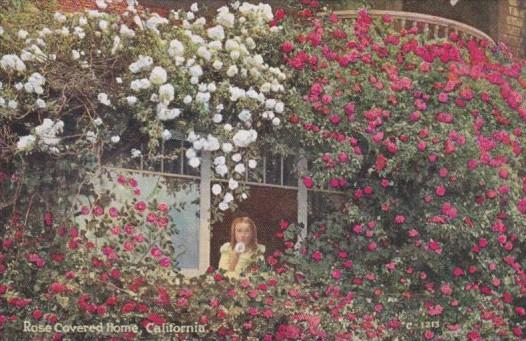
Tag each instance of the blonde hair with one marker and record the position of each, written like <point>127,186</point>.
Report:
<point>254,242</point>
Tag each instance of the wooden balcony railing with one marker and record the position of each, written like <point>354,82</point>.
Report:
<point>435,27</point>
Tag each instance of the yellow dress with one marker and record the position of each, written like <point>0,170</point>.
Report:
<point>245,259</point>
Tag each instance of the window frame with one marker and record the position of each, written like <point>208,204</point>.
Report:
<point>206,178</point>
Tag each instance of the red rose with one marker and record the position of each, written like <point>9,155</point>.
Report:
<point>308,182</point>
<point>37,314</point>
<point>287,47</point>
<point>140,206</point>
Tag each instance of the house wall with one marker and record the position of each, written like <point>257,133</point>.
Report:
<point>510,26</point>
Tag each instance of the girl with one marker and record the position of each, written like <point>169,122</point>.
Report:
<point>243,248</point>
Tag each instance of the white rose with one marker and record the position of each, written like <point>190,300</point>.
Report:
<point>103,98</point>
<point>251,44</point>
<point>194,162</point>
<point>217,118</point>
<point>101,4</point>
<point>221,170</point>
<point>276,121</point>
<point>12,62</point>
<point>216,33</point>
<point>270,103</point>
<point>131,100</point>
<point>59,17</point>
<point>211,87</point>
<point>228,197</point>
<point>202,97</point>
<point>190,153</point>
<point>145,83</point>
<point>217,64</point>
<point>203,52</point>
<point>199,144</point>
<point>166,135</point>
<point>135,153</point>
<point>197,39</point>
<point>252,94</point>
<point>196,71</point>
<point>194,7</point>
<point>215,45</point>
<point>143,63</point>
<point>213,143</point>
<point>158,76</point>
<point>233,184</point>
<point>232,71</point>
<point>236,157</point>
<point>244,115</point>
<point>176,48</point>
<point>231,44</point>
<point>244,196</point>
<point>40,103</point>
<point>91,137</point>
<point>216,189</point>
<point>125,31</point>
<point>227,127</point>
<point>187,99</point>
<point>279,107</point>
<point>115,139</point>
<point>223,206</point>
<point>192,136</point>
<point>75,54</point>
<point>225,18</point>
<point>103,25</point>
<point>26,142</point>
<point>97,121</point>
<point>234,55</point>
<point>239,168</point>
<point>252,163</point>
<point>220,160</point>
<point>166,93</point>
<point>165,114</point>
<point>236,93</point>
<point>12,104</point>
<point>22,34</point>
<point>244,137</point>
<point>227,147</point>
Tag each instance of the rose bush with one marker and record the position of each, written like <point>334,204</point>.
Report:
<point>426,140</point>
<point>423,139</point>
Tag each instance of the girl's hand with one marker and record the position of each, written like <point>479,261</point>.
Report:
<point>234,258</point>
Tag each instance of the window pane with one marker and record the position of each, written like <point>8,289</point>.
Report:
<point>273,170</point>
<point>182,197</point>
<point>173,154</point>
<point>153,163</point>
<point>290,176</point>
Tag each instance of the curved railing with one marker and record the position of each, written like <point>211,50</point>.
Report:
<point>436,27</point>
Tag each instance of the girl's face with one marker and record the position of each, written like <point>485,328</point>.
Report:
<point>243,233</point>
